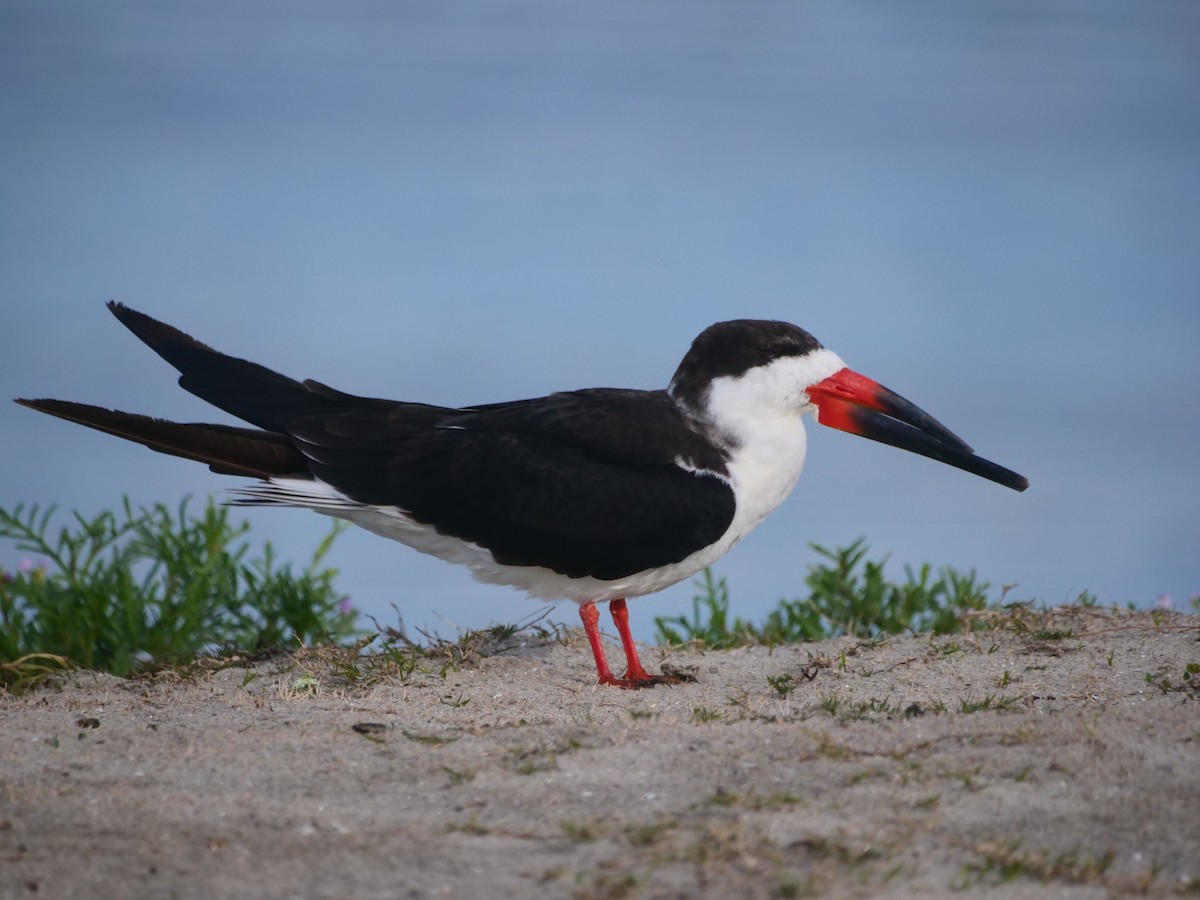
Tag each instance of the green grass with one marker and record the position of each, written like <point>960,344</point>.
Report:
<point>148,587</point>
<point>709,623</point>
<point>1187,684</point>
<point>848,595</point>
<point>152,587</point>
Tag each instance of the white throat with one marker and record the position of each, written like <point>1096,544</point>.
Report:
<point>757,415</point>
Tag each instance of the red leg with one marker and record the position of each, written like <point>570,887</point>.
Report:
<point>635,675</point>
<point>633,666</point>
<point>591,616</point>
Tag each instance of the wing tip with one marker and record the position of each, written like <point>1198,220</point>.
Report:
<point>45,404</point>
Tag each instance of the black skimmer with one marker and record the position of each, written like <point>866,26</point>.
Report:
<point>593,495</point>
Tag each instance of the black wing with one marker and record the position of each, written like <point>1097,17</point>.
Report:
<point>583,483</point>
<point>605,483</point>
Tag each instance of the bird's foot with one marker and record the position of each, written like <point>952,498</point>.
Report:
<point>643,679</point>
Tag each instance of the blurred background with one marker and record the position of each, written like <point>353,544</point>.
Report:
<point>991,208</point>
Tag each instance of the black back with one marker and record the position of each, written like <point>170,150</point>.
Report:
<point>583,483</point>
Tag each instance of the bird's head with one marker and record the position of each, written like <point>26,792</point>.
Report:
<point>748,371</point>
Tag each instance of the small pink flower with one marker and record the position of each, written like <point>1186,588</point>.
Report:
<point>345,607</point>
<point>1164,601</point>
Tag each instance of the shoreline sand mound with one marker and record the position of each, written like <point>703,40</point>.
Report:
<point>1050,753</point>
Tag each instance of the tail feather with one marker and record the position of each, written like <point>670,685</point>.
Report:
<point>244,389</point>
<point>226,449</point>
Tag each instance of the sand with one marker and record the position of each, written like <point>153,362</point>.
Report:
<point>1033,759</point>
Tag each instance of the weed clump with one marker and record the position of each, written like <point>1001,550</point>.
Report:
<point>848,595</point>
<point>147,587</point>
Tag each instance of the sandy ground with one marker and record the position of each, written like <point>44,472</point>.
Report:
<point>1030,760</point>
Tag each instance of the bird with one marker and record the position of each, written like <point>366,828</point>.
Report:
<point>594,495</point>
